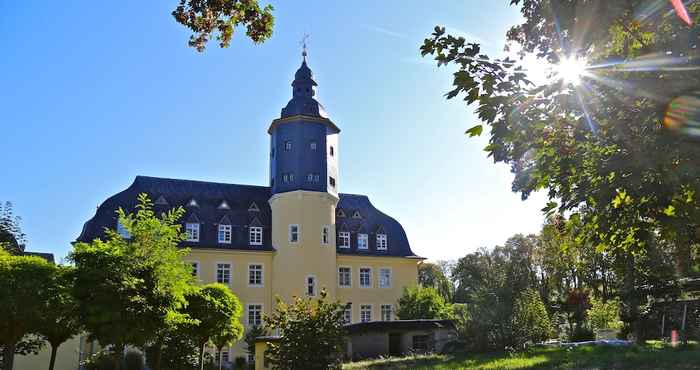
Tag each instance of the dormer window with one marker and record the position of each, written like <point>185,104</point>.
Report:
<point>362,241</point>
<point>382,242</point>
<point>192,232</point>
<point>312,146</point>
<point>225,234</point>
<point>287,145</point>
<point>255,235</point>
<point>344,239</point>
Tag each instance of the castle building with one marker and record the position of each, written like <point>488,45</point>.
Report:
<point>291,238</point>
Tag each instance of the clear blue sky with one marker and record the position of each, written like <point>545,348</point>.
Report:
<point>95,93</point>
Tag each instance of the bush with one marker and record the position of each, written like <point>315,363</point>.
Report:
<point>240,362</point>
<point>423,303</point>
<point>582,333</point>
<point>604,315</point>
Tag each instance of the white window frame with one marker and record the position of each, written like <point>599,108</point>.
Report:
<point>347,313</point>
<point>196,270</point>
<point>391,277</point>
<point>325,235</point>
<point>227,237</point>
<point>262,275</point>
<point>230,272</point>
<point>255,235</point>
<point>364,237</point>
<point>298,234</point>
<point>382,242</point>
<point>344,237</point>
<point>306,286</point>
<point>288,146</point>
<point>359,277</point>
<point>382,312</point>
<point>192,231</point>
<point>313,145</point>
<point>349,285</point>
<point>363,310</point>
<point>249,317</point>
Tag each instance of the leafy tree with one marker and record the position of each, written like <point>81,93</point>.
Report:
<point>250,339</point>
<point>216,313</point>
<point>530,319</point>
<point>224,339</point>
<point>422,303</point>
<point>207,19</point>
<point>431,275</point>
<point>59,319</point>
<point>175,349</point>
<point>128,289</point>
<point>589,145</point>
<point>604,315</point>
<point>312,334</point>
<point>12,238</point>
<point>24,292</point>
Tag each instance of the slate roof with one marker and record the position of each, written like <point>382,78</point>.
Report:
<point>47,256</point>
<point>210,195</point>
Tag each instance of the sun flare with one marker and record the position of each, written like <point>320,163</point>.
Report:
<point>570,70</point>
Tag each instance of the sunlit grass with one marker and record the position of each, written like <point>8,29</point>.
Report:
<point>654,355</point>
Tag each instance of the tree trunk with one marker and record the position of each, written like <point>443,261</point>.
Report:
<point>118,356</point>
<point>54,349</point>
<point>8,356</point>
<point>158,356</point>
<point>201,356</point>
<point>631,298</point>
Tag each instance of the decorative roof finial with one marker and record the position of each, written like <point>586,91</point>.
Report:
<point>303,45</point>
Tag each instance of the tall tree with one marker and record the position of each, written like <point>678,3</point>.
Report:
<point>587,134</point>
<point>219,19</point>
<point>24,292</point>
<point>129,288</point>
<point>433,276</point>
<point>12,238</point>
<point>216,313</point>
<point>59,319</point>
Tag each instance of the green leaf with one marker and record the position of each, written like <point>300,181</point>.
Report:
<point>670,211</point>
<point>475,131</point>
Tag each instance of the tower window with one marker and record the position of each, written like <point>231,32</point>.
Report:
<point>325,231</point>
<point>362,241</point>
<point>255,235</point>
<point>312,177</point>
<point>312,145</point>
<point>287,145</point>
<point>331,181</point>
<point>225,234</point>
<point>192,232</point>
<point>293,233</point>
<point>332,151</point>
<point>310,286</point>
<point>288,178</point>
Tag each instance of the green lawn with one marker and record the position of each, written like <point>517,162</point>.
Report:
<point>650,356</point>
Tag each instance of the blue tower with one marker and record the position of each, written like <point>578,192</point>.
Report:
<point>303,141</point>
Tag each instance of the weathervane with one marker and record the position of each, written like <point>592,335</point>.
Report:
<point>303,45</point>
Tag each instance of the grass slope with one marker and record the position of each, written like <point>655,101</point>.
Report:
<point>650,356</point>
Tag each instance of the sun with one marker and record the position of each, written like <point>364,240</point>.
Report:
<point>570,70</point>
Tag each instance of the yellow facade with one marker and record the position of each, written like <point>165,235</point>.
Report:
<point>286,270</point>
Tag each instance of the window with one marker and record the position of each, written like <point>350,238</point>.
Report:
<point>287,145</point>
<point>344,241</point>
<point>362,241</point>
<point>192,232</point>
<point>331,181</point>
<point>225,359</point>
<point>365,312</point>
<point>312,177</point>
<point>381,242</point>
<point>386,312</point>
<point>365,277</point>
<point>255,235</point>
<point>312,145</point>
<point>347,314</point>
<point>288,178</point>
<point>195,268</point>
<point>325,233</point>
<point>317,178</point>
<point>332,151</point>
<point>254,315</point>
<point>344,277</point>
<point>122,231</point>
<point>294,233</point>
<point>225,234</point>
<point>251,358</point>
<point>385,277</point>
<point>311,286</point>
<point>223,273</point>
<point>255,275</point>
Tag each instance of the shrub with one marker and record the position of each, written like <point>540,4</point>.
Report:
<point>604,315</point>
<point>423,303</point>
<point>582,333</point>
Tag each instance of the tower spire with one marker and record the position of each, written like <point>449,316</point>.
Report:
<point>303,46</point>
